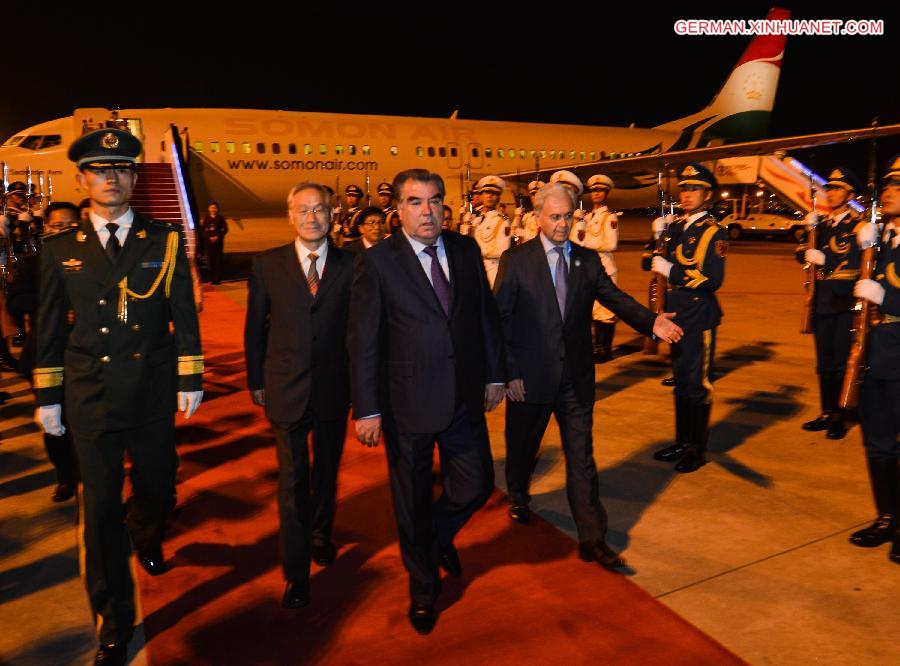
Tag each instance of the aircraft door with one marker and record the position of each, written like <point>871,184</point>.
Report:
<point>475,157</point>
<point>454,156</point>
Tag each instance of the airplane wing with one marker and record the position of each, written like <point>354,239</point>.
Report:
<point>627,167</point>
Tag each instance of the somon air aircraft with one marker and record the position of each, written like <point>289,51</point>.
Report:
<point>247,160</point>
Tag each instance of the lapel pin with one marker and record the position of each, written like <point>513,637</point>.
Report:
<point>577,263</point>
<point>142,233</point>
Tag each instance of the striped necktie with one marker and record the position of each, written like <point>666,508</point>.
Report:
<point>312,277</point>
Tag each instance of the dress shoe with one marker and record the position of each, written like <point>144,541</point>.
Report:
<point>62,492</point>
<point>296,594</point>
<point>671,453</point>
<point>520,513</point>
<point>112,654</point>
<point>599,552</point>
<point>821,422</point>
<point>449,561</point>
<point>836,429</point>
<point>422,617</point>
<point>894,555</point>
<point>691,462</point>
<point>881,531</point>
<point>668,381</point>
<point>18,340</point>
<point>324,554</point>
<point>152,561</point>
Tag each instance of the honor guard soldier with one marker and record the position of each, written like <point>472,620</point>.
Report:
<point>879,400</point>
<point>350,215</point>
<point>694,264</point>
<point>837,268</point>
<point>574,183</point>
<point>599,231</point>
<point>129,361</point>
<point>491,228</point>
<point>386,203</point>
<point>526,223</point>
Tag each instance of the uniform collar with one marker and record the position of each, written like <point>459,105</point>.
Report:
<point>124,221</point>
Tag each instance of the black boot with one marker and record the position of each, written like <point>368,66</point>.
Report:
<point>825,399</point>
<point>883,477</point>
<point>604,334</point>
<point>695,456</point>
<point>682,434</point>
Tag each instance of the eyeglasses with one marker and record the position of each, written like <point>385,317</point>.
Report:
<point>318,211</point>
<point>373,222</point>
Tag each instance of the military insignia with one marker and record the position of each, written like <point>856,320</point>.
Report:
<point>151,264</point>
<point>692,240</point>
<point>690,170</point>
<point>72,265</point>
<point>837,173</point>
<point>81,237</point>
<point>721,248</point>
<point>109,141</point>
<point>142,233</point>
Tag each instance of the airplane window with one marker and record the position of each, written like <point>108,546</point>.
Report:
<point>31,142</point>
<point>323,148</point>
<point>430,151</point>
<point>351,149</point>
<point>394,151</point>
<point>501,153</point>
<point>229,146</point>
<point>13,141</point>
<point>603,155</point>
<point>420,152</point>
<point>51,140</point>
<point>307,149</point>
<point>276,148</point>
<point>338,150</point>
<point>245,148</point>
<point>543,154</point>
<point>292,148</point>
<point>442,151</point>
<point>593,154</point>
<point>474,152</point>
<point>367,150</point>
<point>571,154</point>
<point>583,156</point>
<point>522,153</point>
<point>487,152</point>
<point>532,153</point>
<point>213,146</point>
<point>198,146</point>
<point>453,151</point>
<point>552,154</point>
<point>261,148</point>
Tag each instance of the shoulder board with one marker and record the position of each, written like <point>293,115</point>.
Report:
<point>162,224</point>
<point>62,232</point>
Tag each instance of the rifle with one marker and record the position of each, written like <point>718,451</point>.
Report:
<point>863,311</point>
<point>517,220</point>
<point>812,241</point>
<point>658,283</point>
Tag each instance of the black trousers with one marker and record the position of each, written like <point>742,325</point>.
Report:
<point>426,527</point>
<point>879,416</point>
<point>306,497</point>
<point>525,427</point>
<point>214,255</point>
<point>833,337</point>
<point>692,362</point>
<point>108,524</point>
<point>61,453</point>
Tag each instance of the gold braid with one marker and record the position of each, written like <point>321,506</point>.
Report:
<point>167,271</point>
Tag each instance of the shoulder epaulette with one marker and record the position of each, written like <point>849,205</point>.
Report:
<point>72,227</point>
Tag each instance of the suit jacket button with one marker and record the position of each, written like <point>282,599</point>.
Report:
<point>104,330</point>
<point>105,359</point>
<point>136,356</point>
<point>136,327</point>
<point>102,301</point>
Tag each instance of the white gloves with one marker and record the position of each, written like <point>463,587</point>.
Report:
<point>661,266</point>
<point>869,290</point>
<point>188,401</point>
<point>811,219</point>
<point>50,419</point>
<point>815,257</point>
<point>867,234</point>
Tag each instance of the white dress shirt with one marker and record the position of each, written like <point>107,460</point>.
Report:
<point>124,221</point>
<point>836,220</point>
<point>553,255</point>
<point>425,258</point>
<point>303,256</point>
<point>693,218</point>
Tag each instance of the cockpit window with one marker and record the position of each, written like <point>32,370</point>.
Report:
<point>36,142</point>
<point>13,141</point>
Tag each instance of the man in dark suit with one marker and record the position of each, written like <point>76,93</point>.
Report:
<point>134,347</point>
<point>545,291</point>
<point>425,362</point>
<point>297,368</point>
<point>371,227</point>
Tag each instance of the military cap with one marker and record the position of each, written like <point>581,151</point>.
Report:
<point>106,146</point>
<point>845,179</point>
<point>568,178</point>
<point>600,182</point>
<point>17,186</point>
<point>534,186</point>
<point>893,170</point>
<point>490,184</point>
<point>385,188</point>
<point>697,174</point>
<point>353,190</point>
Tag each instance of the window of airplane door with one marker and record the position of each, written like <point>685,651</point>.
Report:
<point>323,148</point>
<point>474,151</point>
<point>367,150</point>
<point>338,150</point>
<point>276,148</point>
<point>198,146</point>
<point>292,148</point>
<point>213,146</point>
<point>307,149</point>
<point>394,151</point>
<point>351,149</point>
<point>245,148</point>
<point>442,151</point>
<point>261,148</point>
<point>430,151</point>
<point>229,146</point>
<point>454,152</point>
<point>420,151</point>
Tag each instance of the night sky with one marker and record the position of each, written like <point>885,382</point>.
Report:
<point>579,67</point>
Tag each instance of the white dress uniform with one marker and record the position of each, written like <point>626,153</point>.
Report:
<point>491,229</point>
<point>599,231</point>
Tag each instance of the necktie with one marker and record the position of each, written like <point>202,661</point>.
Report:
<point>112,245</point>
<point>439,280</point>
<point>312,277</point>
<point>562,280</point>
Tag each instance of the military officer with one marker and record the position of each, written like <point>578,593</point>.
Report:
<point>879,400</point>
<point>599,231</point>
<point>525,223</point>
<point>386,203</point>
<point>129,361</point>
<point>694,264</point>
<point>837,262</point>
<point>490,227</point>
<point>350,215</point>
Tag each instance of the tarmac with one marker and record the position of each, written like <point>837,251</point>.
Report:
<point>752,548</point>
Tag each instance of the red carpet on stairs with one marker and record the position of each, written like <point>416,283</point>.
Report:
<point>524,596</point>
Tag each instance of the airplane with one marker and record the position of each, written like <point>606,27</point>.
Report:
<point>247,160</point>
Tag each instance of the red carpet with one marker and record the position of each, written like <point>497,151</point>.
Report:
<point>524,596</point>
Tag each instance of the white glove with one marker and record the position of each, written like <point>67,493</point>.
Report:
<point>661,266</point>
<point>815,257</point>
<point>658,227</point>
<point>188,401</point>
<point>811,219</point>
<point>4,225</point>
<point>50,419</point>
<point>867,234</point>
<point>869,290</point>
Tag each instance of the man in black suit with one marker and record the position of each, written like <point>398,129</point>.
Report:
<point>371,227</point>
<point>425,362</point>
<point>297,368</point>
<point>545,291</point>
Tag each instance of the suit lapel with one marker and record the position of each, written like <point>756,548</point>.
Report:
<point>454,262</point>
<point>335,261</point>
<point>136,244</point>
<point>294,270</point>
<point>409,263</point>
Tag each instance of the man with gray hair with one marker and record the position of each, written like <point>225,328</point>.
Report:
<point>546,290</point>
<point>297,307</point>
